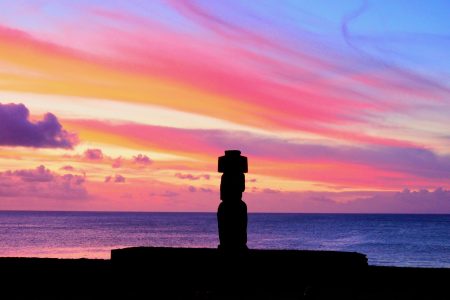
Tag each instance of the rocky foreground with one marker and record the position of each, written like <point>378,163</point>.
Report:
<point>186,273</point>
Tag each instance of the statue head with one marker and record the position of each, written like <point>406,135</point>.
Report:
<point>232,184</point>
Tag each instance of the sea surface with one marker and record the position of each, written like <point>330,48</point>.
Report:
<point>386,239</point>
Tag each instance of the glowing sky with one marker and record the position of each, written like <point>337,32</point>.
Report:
<point>340,106</point>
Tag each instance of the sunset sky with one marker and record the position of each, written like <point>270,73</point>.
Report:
<point>340,106</point>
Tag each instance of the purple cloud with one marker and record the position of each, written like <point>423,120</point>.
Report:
<point>165,194</point>
<point>41,183</point>
<point>169,194</point>
<point>193,189</point>
<point>17,130</point>
<point>192,177</point>
<point>117,179</point>
<point>270,191</point>
<point>93,154</point>
<point>40,174</point>
<point>142,159</point>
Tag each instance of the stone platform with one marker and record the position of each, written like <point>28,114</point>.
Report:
<point>254,272</point>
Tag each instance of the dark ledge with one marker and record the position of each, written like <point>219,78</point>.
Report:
<point>298,260</point>
<point>255,272</point>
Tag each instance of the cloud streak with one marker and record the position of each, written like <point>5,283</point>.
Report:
<point>278,81</point>
<point>377,166</point>
<point>407,201</point>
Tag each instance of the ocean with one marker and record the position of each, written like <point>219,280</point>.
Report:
<point>386,239</point>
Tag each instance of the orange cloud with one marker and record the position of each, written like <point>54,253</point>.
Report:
<point>358,167</point>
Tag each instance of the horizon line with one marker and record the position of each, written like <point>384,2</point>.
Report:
<point>213,212</point>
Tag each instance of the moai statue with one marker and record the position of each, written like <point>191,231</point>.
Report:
<point>232,212</point>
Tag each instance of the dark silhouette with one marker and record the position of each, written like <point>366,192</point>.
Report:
<point>232,212</point>
<point>195,273</point>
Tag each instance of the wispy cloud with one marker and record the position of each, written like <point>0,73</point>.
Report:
<point>376,166</point>
<point>407,201</point>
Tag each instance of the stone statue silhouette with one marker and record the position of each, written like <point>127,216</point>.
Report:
<point>232,212</point>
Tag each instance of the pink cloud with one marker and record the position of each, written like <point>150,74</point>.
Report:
<point>97,156</point>
<point>41,183</point>
<point>117,163</point>
<point>93,154</point>
<point>67,168</point>
<point>142,159</point>
<point>266,78</point>
<point>388,167</point>
<point>119,178</point>
<point>421,201</point>
<point>320,106</point>
<point>275,79</point>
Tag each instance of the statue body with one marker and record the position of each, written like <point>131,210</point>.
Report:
<point>232,219</point>
<point>232,212</point>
